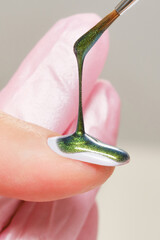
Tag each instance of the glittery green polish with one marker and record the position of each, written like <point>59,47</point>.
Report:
<point>85,143</point>
<point>80,145</point>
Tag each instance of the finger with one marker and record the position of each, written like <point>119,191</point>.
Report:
<point>92,220</point>
<point>31,171</point>
<point>103,113</point>
<point>46,84</point>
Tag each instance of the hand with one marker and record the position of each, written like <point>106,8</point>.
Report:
<point>44,92</point>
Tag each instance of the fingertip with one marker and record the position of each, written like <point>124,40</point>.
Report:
<point>64,177</point>
<point>35,172</point>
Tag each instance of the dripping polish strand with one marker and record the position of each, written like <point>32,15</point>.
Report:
<point>80,145</point>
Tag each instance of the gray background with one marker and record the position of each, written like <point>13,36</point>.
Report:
<point>129,201</point>
<point>133,61</point>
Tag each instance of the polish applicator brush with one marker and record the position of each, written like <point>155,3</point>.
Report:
<point>124,5</point>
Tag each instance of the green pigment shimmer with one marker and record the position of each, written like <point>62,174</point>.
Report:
<point>80,141</point>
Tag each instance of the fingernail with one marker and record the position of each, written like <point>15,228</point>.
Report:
<point>110,156</point>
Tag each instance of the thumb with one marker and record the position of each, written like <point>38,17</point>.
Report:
<point>31,171</point>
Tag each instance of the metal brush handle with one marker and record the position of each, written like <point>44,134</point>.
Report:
<point>124,5</point>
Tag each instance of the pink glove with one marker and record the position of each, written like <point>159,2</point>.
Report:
<point>44,91</point>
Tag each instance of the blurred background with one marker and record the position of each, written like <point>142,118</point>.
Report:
<point>129,201</point>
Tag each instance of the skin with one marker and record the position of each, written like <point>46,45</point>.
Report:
<point>31,171</point>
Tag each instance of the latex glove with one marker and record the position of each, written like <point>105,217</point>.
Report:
<point>44,91</point>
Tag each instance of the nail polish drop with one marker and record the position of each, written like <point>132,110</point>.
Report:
<point>80,145</point>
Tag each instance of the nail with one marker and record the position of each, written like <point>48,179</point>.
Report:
<point>88,149</point>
